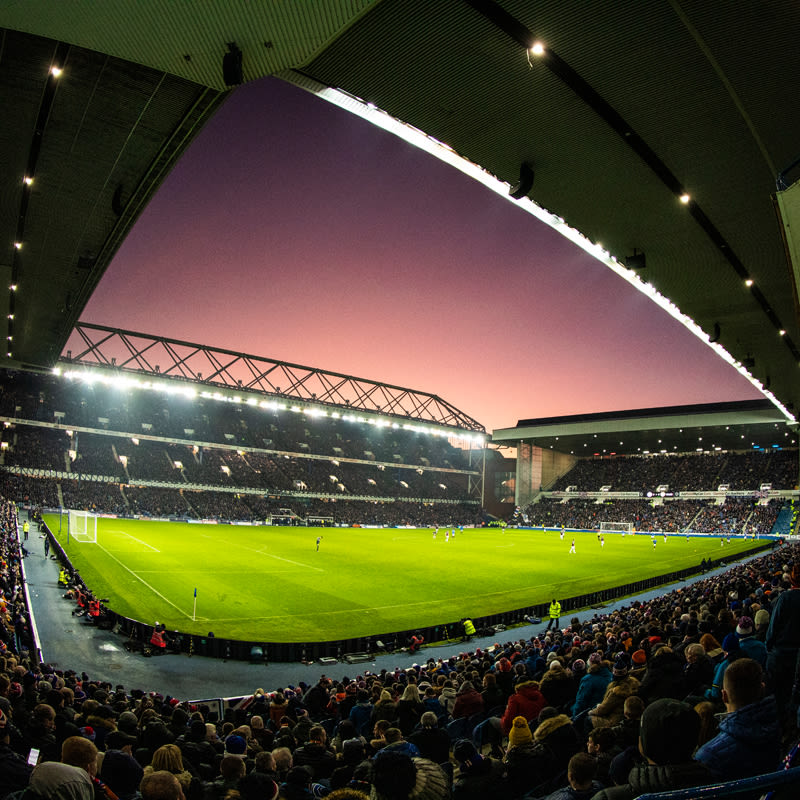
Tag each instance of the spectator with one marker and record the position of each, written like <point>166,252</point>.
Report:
<point>581,781</point>
<point>668,738</point>
<point>749,738</point>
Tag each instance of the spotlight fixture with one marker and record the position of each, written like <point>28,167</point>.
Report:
<point>232,65</point>
<point>636,261</point>
<point>525,182</point>
<point>537,49</point>
<point>685,198</point>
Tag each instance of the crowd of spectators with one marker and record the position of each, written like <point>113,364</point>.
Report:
<point>29,396</point>
<point>737,515</point>
<point>685,472</point>
<point>690,688</point>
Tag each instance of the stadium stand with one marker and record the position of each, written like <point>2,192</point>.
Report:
<point>69,443</point>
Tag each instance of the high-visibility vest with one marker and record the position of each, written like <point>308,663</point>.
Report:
<point>469,627</point>
<point>555,610</point>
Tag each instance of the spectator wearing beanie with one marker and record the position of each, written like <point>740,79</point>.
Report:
<point>593,684</point>
<point>478,776</point>
<point>610,710</point>
<point>668,737</point>
<point>749,645</point>
<point>525,763</point>
<point>761,621</point>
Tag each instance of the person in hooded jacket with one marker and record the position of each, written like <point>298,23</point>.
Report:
<point>593,684</point>
<point>611,710</point>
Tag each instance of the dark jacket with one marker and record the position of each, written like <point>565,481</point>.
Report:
<point>664,678</point>
<point>648,778</point>
<point>317,757</point>
<point>479,781</point>
<point>748,742</point>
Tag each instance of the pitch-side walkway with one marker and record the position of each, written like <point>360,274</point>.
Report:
<point>71,643</point>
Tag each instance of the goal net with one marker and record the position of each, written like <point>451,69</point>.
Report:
<point>82,526</point>
<point>616,527</point>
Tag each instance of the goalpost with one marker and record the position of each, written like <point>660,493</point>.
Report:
<point>82,526</point>
<point>616,527</point>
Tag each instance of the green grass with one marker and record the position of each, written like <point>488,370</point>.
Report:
<point>270,584</point>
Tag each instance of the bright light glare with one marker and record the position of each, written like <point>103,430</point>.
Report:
<point>537,49</point>
<point>56,71</point>
<point>685,198</point>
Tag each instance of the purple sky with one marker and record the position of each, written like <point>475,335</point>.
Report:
<point>294,230</point>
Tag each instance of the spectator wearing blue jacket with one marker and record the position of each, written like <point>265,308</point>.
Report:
<point>749,738</point>
<point>592,687</point>
<point>749,645</point>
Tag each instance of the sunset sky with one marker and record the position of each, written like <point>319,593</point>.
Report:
<point>294,230</point>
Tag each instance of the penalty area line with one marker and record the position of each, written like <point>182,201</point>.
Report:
<point>154,591</point>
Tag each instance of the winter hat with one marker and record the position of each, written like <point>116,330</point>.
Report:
<point>551,656</point>
<point>762,617</point>
<point>621,666</point>
<point>116,740</point>
<point>465,753</point>
<point>127,722</point>
<point>520,732</point>
<point>236,746</point>
<point>121,772</point>
<point>639,658</point>
<point>730,644</point>
<point>88,732</point>
<point>745,627</point>
<point>578,666</point>
<point>669,731</point>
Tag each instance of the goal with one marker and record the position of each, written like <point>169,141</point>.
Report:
<point>616,527</point>
<point>82,526</point>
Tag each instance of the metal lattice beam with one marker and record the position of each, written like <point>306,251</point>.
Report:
<point>143,354</point>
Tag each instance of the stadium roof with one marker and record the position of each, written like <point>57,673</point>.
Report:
<point>711,427</point>
<point>629,105</point>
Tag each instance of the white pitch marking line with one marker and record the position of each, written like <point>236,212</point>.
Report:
<point>287,560</point>
<point>141,542</point>
<point>154,591</point>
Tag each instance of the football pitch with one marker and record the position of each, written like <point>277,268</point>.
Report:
<point>272,584</point>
